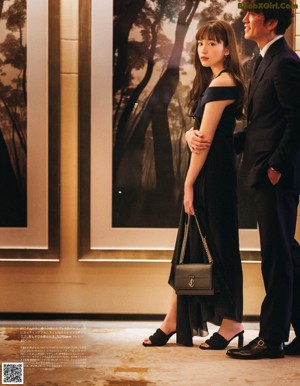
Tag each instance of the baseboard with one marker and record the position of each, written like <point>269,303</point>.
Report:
<point>105,317</point>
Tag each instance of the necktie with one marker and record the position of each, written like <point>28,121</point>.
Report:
<point>257,63</point>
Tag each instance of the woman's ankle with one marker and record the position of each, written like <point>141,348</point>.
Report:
<point>229,328</point>
<point>167,327</point>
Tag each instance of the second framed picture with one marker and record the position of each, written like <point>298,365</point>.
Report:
<point>135,73</point>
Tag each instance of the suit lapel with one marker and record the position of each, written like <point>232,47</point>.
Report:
<point>258,75</point>
<point>267,60</point>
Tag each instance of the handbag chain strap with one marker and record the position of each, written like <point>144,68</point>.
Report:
<point>203,238</point>
<point>204,242</point>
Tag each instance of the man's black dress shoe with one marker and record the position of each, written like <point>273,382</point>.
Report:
<point>293,348</point>
<point>257,349</point>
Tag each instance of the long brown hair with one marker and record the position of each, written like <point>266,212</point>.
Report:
<point>218,30</point>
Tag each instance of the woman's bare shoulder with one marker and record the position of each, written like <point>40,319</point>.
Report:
<point>224,80</point>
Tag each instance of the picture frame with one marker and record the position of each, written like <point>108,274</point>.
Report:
<point>98,240</point>
<point>39,240</point>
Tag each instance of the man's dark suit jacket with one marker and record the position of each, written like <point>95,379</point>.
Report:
<point>273,129</point>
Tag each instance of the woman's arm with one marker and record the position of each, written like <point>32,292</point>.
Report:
<point>211,117</point>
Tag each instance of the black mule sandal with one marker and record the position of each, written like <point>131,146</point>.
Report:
<point>218,342</point>
<point>159,338</point>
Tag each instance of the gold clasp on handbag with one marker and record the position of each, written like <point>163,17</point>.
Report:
<point>191,283</point>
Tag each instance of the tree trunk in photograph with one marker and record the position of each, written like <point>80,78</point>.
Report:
<point>125,14</point>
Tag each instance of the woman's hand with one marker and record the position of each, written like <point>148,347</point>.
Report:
<point>188,199</point>
<point>196,141</point>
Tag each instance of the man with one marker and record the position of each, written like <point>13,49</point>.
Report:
<point>271,165</point>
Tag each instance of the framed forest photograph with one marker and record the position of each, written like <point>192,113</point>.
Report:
<point>29,130</point>
<point>133,115</point>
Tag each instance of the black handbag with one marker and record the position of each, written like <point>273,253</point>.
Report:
<point>194,279</point>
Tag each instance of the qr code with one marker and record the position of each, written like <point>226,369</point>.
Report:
<point>12,373</point>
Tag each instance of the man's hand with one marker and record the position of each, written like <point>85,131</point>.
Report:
<point>274,176</point>
<point>196,141</point>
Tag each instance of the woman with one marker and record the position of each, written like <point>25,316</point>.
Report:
<point>216,101</point>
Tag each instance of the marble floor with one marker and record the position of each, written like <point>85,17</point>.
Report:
<point>110,353</point>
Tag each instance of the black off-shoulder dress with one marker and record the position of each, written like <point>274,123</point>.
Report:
<point>215,202</point>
